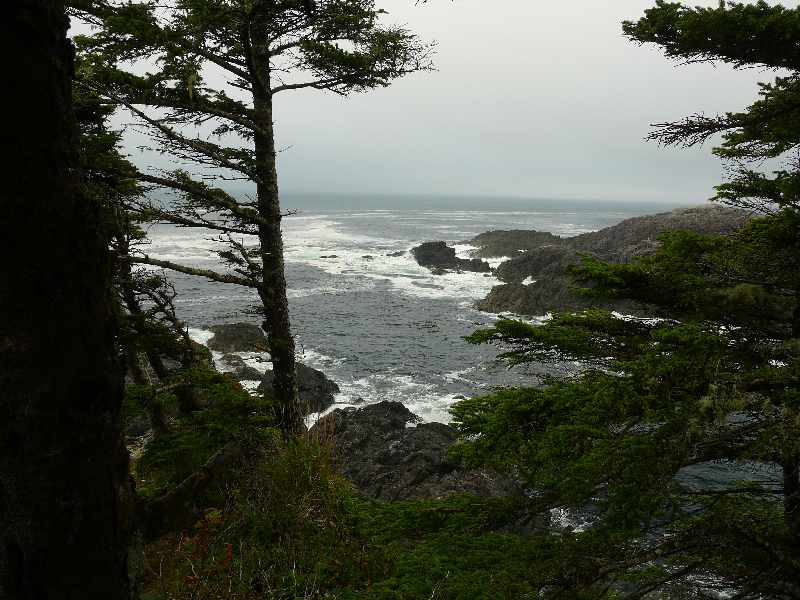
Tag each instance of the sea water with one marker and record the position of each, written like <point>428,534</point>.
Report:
<point>376,322</point>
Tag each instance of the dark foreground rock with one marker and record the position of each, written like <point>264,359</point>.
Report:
<point>385,459</point>
<point>316,390</point>
<point>638,236</point>
<point>240,370</point>
<point>438,256</point>
<point>546,258</point>
<point>238,337</point>
<point>542,263</point>
<point>495,244</point>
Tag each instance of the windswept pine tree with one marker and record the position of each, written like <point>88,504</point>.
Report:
<point>219,64</point>
<point>711,386</point>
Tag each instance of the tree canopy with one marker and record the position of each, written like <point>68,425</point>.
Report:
<point>208,104</point>
<point>679,434</point>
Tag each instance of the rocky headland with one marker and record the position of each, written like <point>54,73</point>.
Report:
<point>316,390</point>
<point>237,337</point>
<point>440,258</point>
<point>386,452</point>
<point>535,280</point>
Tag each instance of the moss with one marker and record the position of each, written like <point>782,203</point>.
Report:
<point>291,528</point>
<point>232,414</point>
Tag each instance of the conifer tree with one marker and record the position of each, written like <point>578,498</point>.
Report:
<point>259,48</point>
<point>150,329</point>
<point>712,383</point>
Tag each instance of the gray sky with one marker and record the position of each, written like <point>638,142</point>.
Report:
<point>531,99</point>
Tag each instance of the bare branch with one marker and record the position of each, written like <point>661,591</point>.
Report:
<point>212,275</point>
<point>175,509</point>
<point>320,84</point>
<point>214,197</point>
<point>204,148</point>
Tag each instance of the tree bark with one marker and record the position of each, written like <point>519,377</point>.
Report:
<point>176,509</point>
<point>135,308</point>
<point>155,413</point>
<point>212,275</point>
<point>790,462</point>
<point>791,496</point>
<point>277,324</point>
<point>66,498</point>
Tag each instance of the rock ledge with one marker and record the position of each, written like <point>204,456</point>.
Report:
<point>389,455</point>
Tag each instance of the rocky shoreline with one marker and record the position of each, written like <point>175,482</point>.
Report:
<point>383,448</point>
<point>388,454</point>
<point>534,276</point>
<point>440,258</point>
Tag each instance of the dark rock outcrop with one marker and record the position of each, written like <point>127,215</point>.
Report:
<point>546,263</point>
<point>238,337</point>
<point>316,390</point>
<point>541,263</point>
<point>240,370</point>
<point>438,256</point>
<point>494,244</point>
<point>638,236</point>
<point>550,295</point>
<point>386,459</point>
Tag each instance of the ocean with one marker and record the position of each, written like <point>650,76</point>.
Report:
<point>378,324</point>
<point>385,328</point>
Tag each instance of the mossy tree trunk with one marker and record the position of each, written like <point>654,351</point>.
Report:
<point>790,462</point>
<point>66,498</point>
<point>277,324</point>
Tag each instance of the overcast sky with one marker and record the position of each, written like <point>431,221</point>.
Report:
<point>531,99</point>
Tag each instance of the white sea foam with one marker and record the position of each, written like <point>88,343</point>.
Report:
<point>644,320</point>
<point>201,336</point>
<point>360,263</point>
<point>321,231</point>
<point>293,294</point>
<point>257,360</point>
<point>365,257</point>
<point>309,238</point>
<point>458,375</point>
<point>250,386</point>
<point>401,272</point>
<point>260,361</point>
<point>571,520</point>
<point>316,359</point>
<point>422,399</point>
<point>464,250</point>
<point>216,298</point>
<point>497,261</point>
<point>183,244</point>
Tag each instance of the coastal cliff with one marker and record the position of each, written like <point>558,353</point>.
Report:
<point>535,280</point>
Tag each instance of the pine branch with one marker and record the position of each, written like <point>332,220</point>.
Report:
<point>207,149</point>
<point>214,197</point>
<point>212,275</point>
<point>175,509</point>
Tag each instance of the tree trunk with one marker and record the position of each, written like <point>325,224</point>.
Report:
<point>790,462</point>
<point>273,290</point>
<point>66,498</point>
<point>155,412</point>
<point>138,316</point>
<point>791,496</point>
